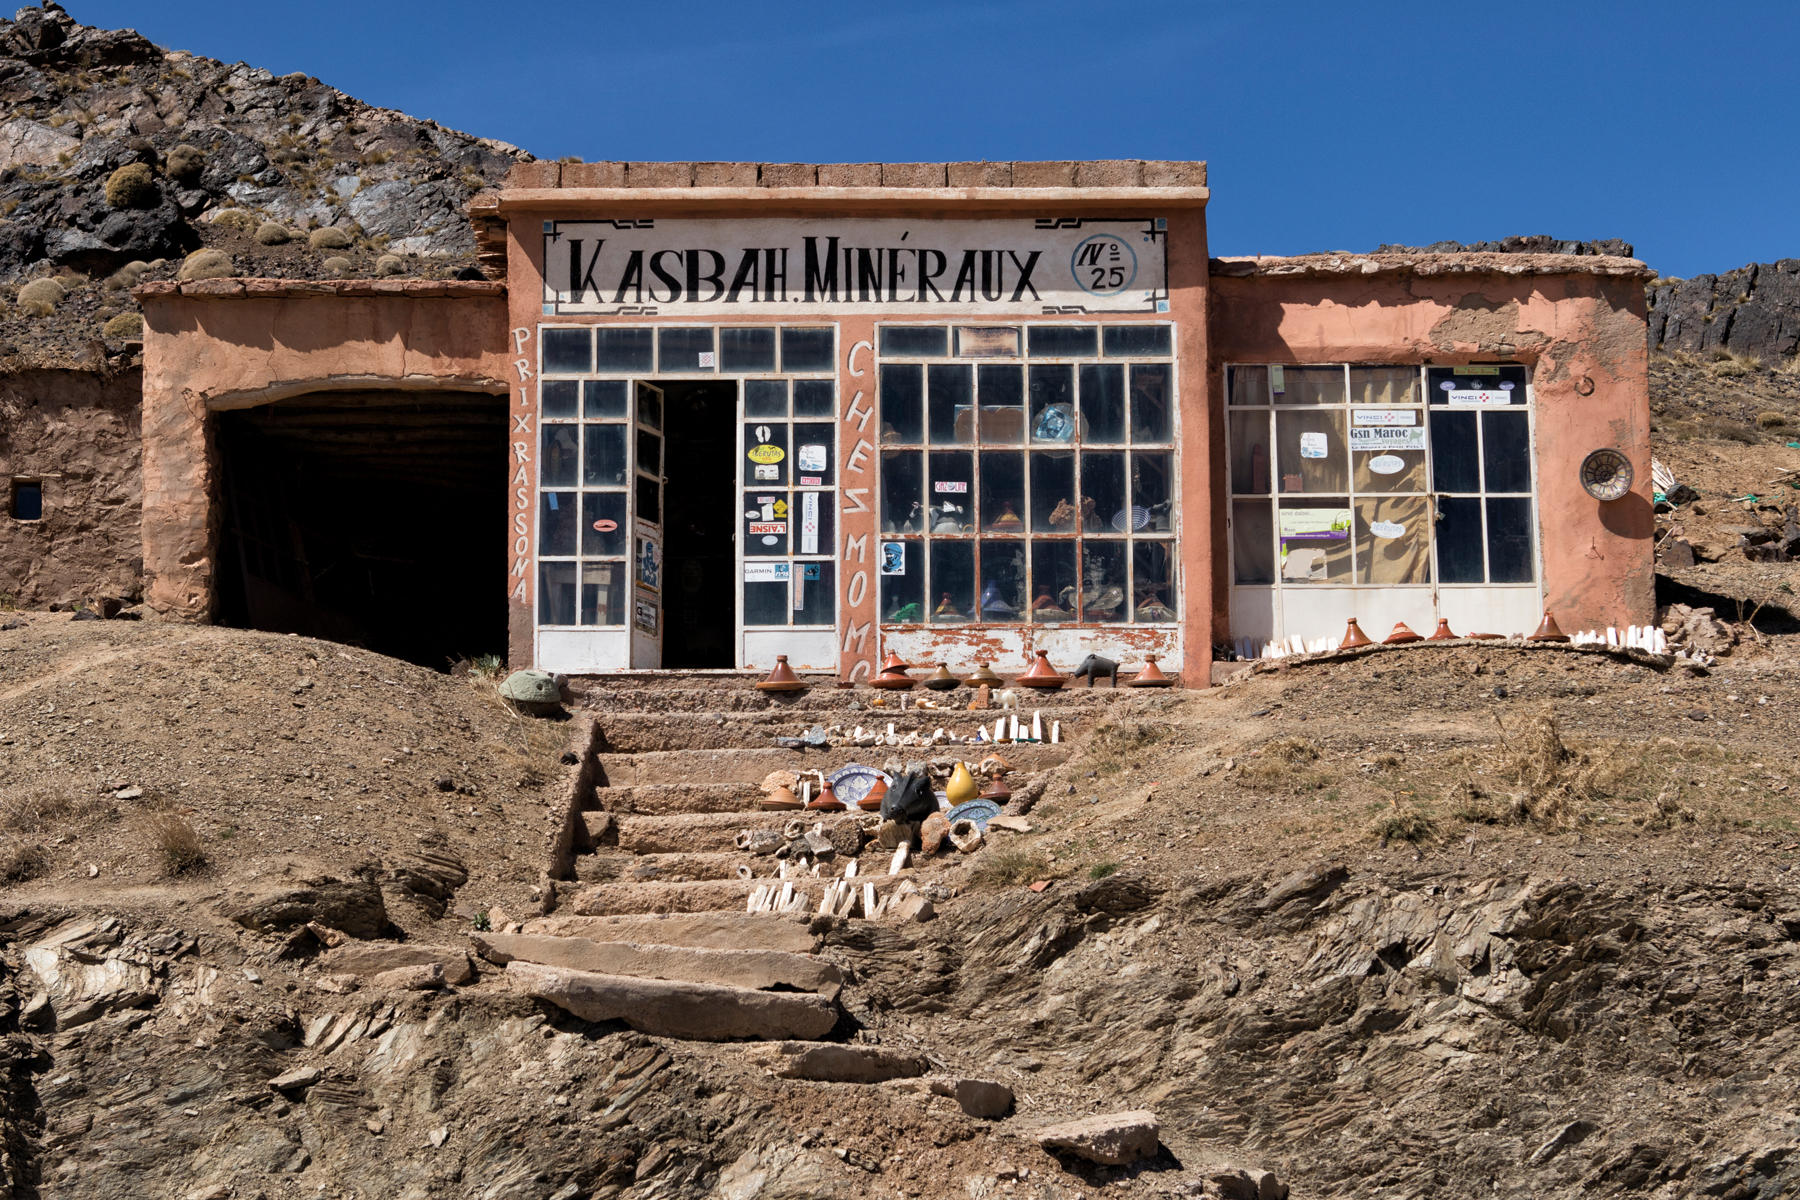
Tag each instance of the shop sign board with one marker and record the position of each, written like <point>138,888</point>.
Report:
<point>1375,439</point>
<point>707,267</point>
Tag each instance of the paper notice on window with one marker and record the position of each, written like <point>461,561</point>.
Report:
<point>1314,524</point>
<point>1364,440</point>
<point>1384,416</point>
<point>1479,396</point>
<point>1313,445</point>
<point>766,572</point>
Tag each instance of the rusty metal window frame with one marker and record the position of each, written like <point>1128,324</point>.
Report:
<point>921,542</point>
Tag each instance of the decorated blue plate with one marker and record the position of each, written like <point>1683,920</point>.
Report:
<point>978,811</point>
<point>853,782</point>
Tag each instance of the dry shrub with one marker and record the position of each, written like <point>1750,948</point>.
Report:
<point>132,186</point>
<point>1283,761</point>
<point>1772,420</point>
<point>1663,814</point>
<point>207,264</point>
<point>1115,743</point>
<point>1729,366</point>
<point>273,233</point>
<point>176,843</point>
<point>185,163</point>
<point>234,218</point>
<point>329,238</point>
<point>1545,782</point>
<point>20,858</point>
<point>126,327</point>
<point>1413,825</point>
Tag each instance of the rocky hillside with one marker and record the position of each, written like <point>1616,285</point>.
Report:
<point>119,160</point>
<point>1752,312</point>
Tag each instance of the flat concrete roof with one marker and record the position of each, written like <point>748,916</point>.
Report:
<point>1469,263</point>
<point>1100,173</point>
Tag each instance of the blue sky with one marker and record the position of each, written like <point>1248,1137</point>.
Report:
<point>1327,125</point>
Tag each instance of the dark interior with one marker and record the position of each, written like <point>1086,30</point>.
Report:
<point>370,518</point>
<point>700,618</point>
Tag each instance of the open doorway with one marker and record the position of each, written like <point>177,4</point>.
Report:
<point>700,615</point>
<point>371,518</point>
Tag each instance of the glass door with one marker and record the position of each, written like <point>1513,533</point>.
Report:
<point>647,527</point>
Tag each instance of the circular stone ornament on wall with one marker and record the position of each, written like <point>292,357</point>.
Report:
<point>1606,474</point>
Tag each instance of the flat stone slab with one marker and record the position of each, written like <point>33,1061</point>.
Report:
<point>664,1008</point>
<point>757,969</point>
<point>1112,1139</point>
<point>365,960</point>
<point>707,930</point>
<point>829,1062</point>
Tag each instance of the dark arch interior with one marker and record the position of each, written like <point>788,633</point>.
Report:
<point>371,518</point>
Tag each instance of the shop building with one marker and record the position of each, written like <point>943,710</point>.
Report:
<point>700,415</point>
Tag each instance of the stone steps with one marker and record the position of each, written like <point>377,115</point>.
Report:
<point>659,799</point>
<point>701,931</point>
<point>666,868</point>
<point>680,1009</point>
<point>696,833</point>
<point>721,895</point>
<point>722,766</point>
<point>759,970</point>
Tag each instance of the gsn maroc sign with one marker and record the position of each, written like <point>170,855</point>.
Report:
<point>1058,265</point>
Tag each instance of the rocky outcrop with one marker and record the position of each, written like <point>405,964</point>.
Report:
<point>1531,243</point>
<point>1753,311</point>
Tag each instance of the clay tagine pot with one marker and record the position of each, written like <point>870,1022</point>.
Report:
<point>1442,632</point>
<point>1548,630</point>
<point>1401,636</point>
<point>781,678</point>
<point>1151,675</point>
<point>984,674</point>
<point>893,662</point>
<point>1353,636</point>
<point>997,791</point>
<point>941,680</point>
<point>827,801</point>
<point>1041,674</point>
<point>893,681</point>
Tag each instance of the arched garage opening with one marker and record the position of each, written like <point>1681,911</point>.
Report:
<point>372,518</point>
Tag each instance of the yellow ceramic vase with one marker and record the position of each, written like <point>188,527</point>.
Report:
<point>962,787</point>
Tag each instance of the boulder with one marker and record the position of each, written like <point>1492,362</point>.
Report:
<point>424,977</point>
<point>978,1097</point>
<point>353,905</point>
<point>934,831</point>
<point>749,968</point>
<point>1112,1139</point>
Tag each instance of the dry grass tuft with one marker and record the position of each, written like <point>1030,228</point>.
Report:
<point>1543,781</point>
<point>1663,814</point>
<point>1002,868</point>
<point>175,842</point>
<point>1727,365</point>
<point>1413,825</point>
<point>20,858</point>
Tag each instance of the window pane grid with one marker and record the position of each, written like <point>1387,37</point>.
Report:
<point>1470,483</point>
<point>1016,488</point>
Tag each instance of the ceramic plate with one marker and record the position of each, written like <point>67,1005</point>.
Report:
<point>853,782</point>
<point>978,811</point>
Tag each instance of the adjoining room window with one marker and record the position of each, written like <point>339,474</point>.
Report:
<point>1380,475</point>
<point>27,500</point>
<point>1027,489</point>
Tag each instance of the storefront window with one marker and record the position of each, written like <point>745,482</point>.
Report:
<point>1037,490</point>
<point>1380,475</point>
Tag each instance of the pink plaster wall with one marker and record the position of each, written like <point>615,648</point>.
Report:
<point>237,343</point>
<point>1583,335</point>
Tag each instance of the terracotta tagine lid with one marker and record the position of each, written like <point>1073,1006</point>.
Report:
<point>1548,630</point>
<point>1353,636</point>
<point>1151,675</point>
<point>781,678</point>
<point>1442,632</point>
<point>871,801</point>
<point>941,680</point>
<point>984,674</point>
<point>893,680</point>
<point>827,801</point>
<point>1401,636</point>
<point>893,662</point>
<point>1041,674</point>
<point>997,791</point>
<point>779,799</point>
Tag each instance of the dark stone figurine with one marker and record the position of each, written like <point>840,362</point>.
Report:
<point>1094,667</point>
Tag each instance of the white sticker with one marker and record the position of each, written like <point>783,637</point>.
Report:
<point>1479,396</point>
<point>1384,416</point>
<point>707,359</point>
<point>1312,445</point>
<point>810,457</point>
<point>768,527</point>
<point>1387,464</point>
<point>771,473</point>
<point>950,487</point>
<point>1386,529</point>
<point>767,572</point>
<point>811,480</point>
<point>771,541</point>
<point>1387,437</point>
<point>809,523</point>
<point>1278,379</point>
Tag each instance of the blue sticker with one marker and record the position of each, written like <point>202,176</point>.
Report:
<point>551,496</point>
<point>811,571</point>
